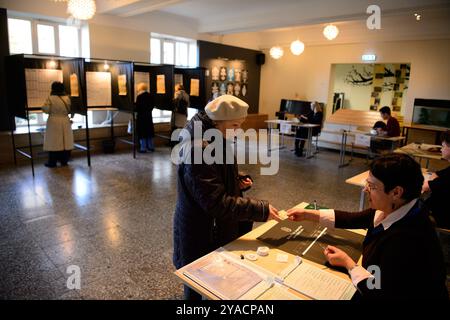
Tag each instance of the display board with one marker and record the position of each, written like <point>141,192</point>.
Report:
<point>98,87</point>
<point>122,85</point>
<point>30,78</point>
<point>165,74</point>
<point>193,80</point>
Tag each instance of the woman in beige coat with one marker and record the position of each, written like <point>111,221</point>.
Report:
<point>58,140</point>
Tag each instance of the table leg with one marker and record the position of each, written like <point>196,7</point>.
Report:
<point>308,150</point>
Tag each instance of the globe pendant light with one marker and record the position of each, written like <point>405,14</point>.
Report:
<point>330,32</point>
<point>276,52</point>
<point>81,9</point>
<point>297,47</point>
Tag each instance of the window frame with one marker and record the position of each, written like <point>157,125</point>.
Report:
<point>174,40</point>
<point>55,25</point>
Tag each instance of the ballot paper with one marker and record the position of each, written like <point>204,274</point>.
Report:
<point>98,85</point>
<point>38,83</point>
<point>223,276</point>
<point>74,85</point>
<point>160,84</point>
<point>319,284</point>
<point>195,87</point>
<point>122,83</point>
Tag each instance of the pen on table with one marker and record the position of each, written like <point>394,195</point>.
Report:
<point>315,205</point>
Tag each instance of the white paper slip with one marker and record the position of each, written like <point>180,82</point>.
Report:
<point>281,257</point>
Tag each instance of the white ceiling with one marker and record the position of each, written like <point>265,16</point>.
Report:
<point>233,16</point>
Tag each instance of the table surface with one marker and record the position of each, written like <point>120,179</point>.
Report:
<point>420,150</point>
<point>360,179</point>
<point>248,243</point>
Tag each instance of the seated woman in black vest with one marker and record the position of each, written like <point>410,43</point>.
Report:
<point>314,117</point>
<point>400,239</point>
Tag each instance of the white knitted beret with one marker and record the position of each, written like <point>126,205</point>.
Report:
<point>226,107</point>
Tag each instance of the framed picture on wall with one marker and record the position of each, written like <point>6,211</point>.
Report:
<point>215,73</point>
<point>223,74</point>
<point>244,89</point>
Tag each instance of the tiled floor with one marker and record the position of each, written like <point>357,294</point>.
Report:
<point>114,221</point>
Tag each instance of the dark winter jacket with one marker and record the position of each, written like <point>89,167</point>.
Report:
<point>144,120</point>
<point>210,210</point>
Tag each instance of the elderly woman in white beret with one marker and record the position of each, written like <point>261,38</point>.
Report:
<point>211,210</point>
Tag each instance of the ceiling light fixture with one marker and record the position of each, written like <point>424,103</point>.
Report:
<point>81,9</point>
<point>330,32</point>
<point>297,47</point>
<point>276,52</point>
<point>418,16</point>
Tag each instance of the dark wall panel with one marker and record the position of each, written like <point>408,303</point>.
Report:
<point>5,118</point>
<point>215,55</point>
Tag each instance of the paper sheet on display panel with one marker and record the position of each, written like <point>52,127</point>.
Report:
<point>74,85</point>
<point>98,89</point>
<point>122,83</point>
<point>140,77</point>
<point>38,84</point>
<point>195,87</point>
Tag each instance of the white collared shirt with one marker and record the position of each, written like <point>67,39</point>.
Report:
<point>327,219</point>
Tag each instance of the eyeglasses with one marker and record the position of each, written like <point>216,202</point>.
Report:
<point>369,187</point>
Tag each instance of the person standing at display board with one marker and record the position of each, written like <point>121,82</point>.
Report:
<point>58,140</point>
<point>144,120</point>
<point>181,104</point>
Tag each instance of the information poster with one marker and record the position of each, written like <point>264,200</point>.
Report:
<point>38,83</point>
<point>98,89</point>
<point>122,82</point>
<point>141,77</point>
<point>195,87</point>
<point>160,84</point>
<point>74,85</point>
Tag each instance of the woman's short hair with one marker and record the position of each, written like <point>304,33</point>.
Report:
<point>399,170</point>
<point>58,89</point>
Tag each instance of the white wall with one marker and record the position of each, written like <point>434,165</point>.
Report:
<point>309,75</point>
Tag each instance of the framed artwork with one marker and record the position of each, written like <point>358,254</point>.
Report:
<point>223,74</point>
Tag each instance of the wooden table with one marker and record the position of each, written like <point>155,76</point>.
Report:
<point>420,151</point>
<point>248,243</point>
<point>360,181</point>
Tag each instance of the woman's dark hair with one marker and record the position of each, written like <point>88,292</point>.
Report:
<point>399,170</point>
<point>385,110</point>
<point>58,89</point>
<point>379,124</point>
<point>445,137</point>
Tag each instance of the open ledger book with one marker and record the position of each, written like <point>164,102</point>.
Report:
<point>229,278</point>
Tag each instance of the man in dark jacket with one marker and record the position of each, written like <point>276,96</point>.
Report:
<point>210,210</point>
<point>144,120</point>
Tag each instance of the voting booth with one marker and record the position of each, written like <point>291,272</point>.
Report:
<point>29,85</point>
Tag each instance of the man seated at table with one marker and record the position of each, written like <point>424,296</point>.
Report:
<point>391,129</point>
<point>392,125</point>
